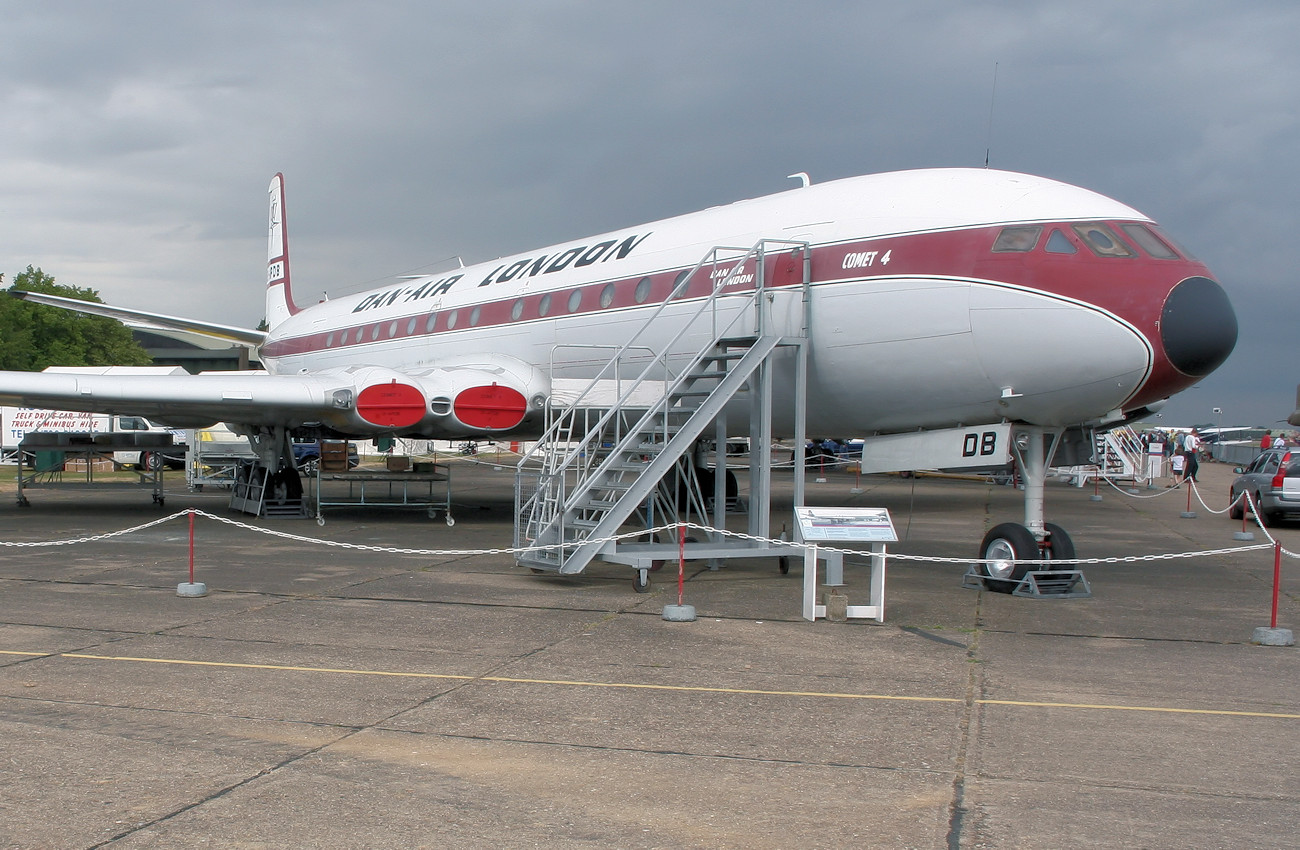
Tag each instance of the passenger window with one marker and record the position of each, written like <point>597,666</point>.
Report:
<point>474,316</point>
<point>1270,465</point>
<point>677,281</point>
<point>451,319</point>
<point>1148,241</point>
<point>1021,238</point>
<point>131,423</point>
<point>544,305</point>
<point>642,290</point>
<point>1103,241</point>
<point>607,296</point>
<point>329,341</point>
<point>1059,243</point>
<point>374,333</point>
<point>575,300</point>
<point>410,326</point>
<point>430,322</point>
<point>517,310</point>
<point>392,330</point>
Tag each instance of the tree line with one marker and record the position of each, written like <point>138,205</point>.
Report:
<point>34,336</point>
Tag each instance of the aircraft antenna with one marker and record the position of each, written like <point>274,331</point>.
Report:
<point>992,98</point>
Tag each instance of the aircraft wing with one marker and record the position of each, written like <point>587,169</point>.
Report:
<point>244,336</point>
<point>182,401</point>
<point>476,395</point>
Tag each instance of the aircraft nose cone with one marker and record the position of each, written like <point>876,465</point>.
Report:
<point>1197,326</point>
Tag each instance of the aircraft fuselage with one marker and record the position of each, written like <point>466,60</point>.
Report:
<point>937,298</point>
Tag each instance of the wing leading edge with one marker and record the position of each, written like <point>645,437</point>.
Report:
<point>486,395</point>
<point>243,336</point>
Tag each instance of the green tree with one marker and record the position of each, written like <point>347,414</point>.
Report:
<point>33,336</point>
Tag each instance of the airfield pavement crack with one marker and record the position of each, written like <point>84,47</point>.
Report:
<point>957,810</point>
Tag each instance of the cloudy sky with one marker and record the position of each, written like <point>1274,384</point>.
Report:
<point>137,138</point>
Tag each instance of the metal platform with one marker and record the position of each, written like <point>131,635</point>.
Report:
<point>53,451</point>
<point>379,488</point>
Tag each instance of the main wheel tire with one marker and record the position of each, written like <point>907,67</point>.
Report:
<point>283,487</point>
<point>1059,545</point>
<point>1007,542</point>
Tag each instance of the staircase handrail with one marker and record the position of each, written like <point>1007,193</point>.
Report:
<point>757,251</point>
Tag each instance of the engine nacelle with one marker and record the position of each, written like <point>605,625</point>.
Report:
<point>478,395</point>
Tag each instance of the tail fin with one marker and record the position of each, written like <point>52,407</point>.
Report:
<point>279,298</point>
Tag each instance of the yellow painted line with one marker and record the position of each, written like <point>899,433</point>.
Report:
<point>678,688</point>
<point>24,654</point>
<point>1153,708</point>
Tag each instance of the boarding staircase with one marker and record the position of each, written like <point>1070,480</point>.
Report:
<point>612,449</point>
<point>1118,455</point>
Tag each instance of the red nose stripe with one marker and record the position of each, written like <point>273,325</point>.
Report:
<point>391,405</point>
<point>493,407</point>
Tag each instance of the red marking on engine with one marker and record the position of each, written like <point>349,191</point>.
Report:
<point>492,407</point>
<point>391,405</point>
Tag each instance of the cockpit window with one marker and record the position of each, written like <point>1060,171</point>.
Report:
<point>1103,241</point>
<point>1019,238</point>
<point>1059,243</point>
<point>1149,241</point>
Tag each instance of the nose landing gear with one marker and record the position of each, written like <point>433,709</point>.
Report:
<point>1036,540</point>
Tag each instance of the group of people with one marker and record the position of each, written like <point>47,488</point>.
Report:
<point>1281,441</point>
<point>1181,449</point>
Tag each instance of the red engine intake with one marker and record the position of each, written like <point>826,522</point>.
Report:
<point>493,407</point>
<point>391,405</point>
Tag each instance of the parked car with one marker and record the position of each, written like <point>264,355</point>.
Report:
<point>1273,482</point>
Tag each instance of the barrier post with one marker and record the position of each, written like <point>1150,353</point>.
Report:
<point>1273,636</point>
<point>1189,513</point>
<point>1244,498</point>
<point>191,589</point>
<point>680,613</point>
<point>1277,582</point>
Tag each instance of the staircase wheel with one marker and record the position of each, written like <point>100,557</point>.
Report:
<point>641,581</point>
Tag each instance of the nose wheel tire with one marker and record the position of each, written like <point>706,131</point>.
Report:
<point>1011,541</point>
<point>1003,544</point>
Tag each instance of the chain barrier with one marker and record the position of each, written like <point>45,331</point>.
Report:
<point>673,527</point>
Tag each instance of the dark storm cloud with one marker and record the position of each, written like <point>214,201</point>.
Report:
<point>139,136</point>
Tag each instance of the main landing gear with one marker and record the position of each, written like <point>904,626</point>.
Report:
<point>1036,540</point>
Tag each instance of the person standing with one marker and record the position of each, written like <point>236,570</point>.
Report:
<point>1177,466</point>
<point>1192,449</point>
<point>1266,441</point>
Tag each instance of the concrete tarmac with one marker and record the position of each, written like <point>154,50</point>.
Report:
<point>327,697</point>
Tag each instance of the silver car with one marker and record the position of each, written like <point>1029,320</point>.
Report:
<point>1273,482</point>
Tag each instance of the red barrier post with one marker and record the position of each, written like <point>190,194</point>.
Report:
<point>191,588</point>
<point>681,563</point>
<point>1277,582</point>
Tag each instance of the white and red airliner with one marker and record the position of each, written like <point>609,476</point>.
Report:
<point>937,299</point>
